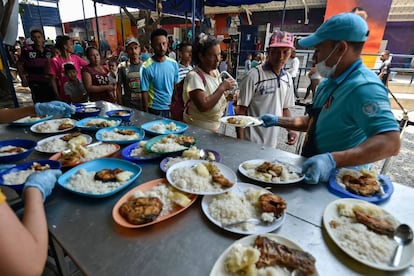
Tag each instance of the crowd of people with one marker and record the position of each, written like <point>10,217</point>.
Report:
<point>349,123</point>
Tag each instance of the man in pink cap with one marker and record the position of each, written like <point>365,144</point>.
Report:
<point>268,89</point>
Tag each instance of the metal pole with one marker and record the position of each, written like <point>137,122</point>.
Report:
<point>40,16</point>
<point>122,26</point>
<point>283,15</point>
<point>193,21</point>
<point>97,27</point>
<point>84,21</point>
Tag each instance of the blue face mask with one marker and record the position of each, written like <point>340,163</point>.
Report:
<point>324,70</point>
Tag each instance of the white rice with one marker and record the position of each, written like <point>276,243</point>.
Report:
<point>3,150</point>
<point>162,128</point>
<point>99,151</point>
<point>364,243</point>
<point>84,181</point>
<point>160,191</point>
<point>191,154</point>
<point>167,144</point>
<point>52,125</point>
<point>141,152</point>
<point>53,145</point>
<point>113,135</point>
<point>187,178</point>
<point>15,178</point>
<point>98,123</point>
<point>230,207</point>
<point>28,119</point>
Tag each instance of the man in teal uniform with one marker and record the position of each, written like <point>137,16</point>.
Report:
<point>350,122</point>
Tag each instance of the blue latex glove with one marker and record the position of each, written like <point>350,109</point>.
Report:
<point>54,108</point>
<point>268,120</point>
<point>318,168</point>
<point>44,181</point>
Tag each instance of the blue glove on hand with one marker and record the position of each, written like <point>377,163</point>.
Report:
<point>268,120</point>
<point>44,181</point>
<point>54,108</point>
<point>318,168</point>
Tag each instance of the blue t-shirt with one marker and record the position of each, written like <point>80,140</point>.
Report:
<point>158,78</point>
<point>355,106</point>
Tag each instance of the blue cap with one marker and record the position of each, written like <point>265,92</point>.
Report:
<point>344,26</point>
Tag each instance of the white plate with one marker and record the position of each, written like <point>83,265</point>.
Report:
<point>258,229</point>
<point>226,171</point>
<point>293,168</point>
<point>331,213</point>
<point>219,265</point>
<point>248,121</point>
<point>54,125</point>
<point>51,138</point>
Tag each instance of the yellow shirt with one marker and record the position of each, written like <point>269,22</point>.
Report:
<point>2,197</point>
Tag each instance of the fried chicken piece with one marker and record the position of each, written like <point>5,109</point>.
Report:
<point>271,168</point>
<point>141,210</point>
<point>365,185</point>
<point>378,225</point>
<point>13,150</point>
<point>217,176</point>
<point>107,175</point>
<point>272,203</point>
<point>126,131</point>
<point>38,167</point>
<point>69,136</point>
<point>69,158</point>
<point>64,126</point>
<point>185,141</point>
<point>273,253</point>
<point>233,120</point>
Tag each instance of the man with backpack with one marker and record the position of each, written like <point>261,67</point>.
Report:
<point>268,89</point>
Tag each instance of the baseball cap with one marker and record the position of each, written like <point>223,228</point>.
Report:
<point>131,40</point>
<point>344,26</point>
<point>282,39</point>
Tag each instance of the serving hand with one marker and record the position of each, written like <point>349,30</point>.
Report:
<point>318,168</point>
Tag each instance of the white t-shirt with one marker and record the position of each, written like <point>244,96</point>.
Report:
<point>209,119</point>
<point>293,66</point>
<point>261,92</point>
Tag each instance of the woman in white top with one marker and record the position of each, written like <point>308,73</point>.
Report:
<point>204,90</point>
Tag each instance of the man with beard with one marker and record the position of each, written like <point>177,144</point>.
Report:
<point>158,76</point>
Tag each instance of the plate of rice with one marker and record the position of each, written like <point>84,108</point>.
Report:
<point>97,122</point>
<point>360,183</point>
<point>241,121</point>
<point>138,153</point>
<point>81,154</point>
<point>164,126</point>
<point>82,179</point>
<point>193,153</point>
<point>201,177</point>
<point>61,142</point>
<point>173,202</point>
<point>54,126</point>
<point>31,120</point>
<point>271,172</point>
<point>242,203</point>
<point>347,225</point>
<point>170,143</point>
<point>120,134</point>
<point>247,256</point>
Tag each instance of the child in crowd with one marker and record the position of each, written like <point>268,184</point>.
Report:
<point>113,69</point>
<point>74,88</point>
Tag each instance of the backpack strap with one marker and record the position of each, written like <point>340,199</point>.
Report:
<point>203,78</point>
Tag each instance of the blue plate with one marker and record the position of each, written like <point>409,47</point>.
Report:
<point>97,165</point>
<point>181,127</point>
<point>24,166</point>
<point>87,111</point>
<point>29,145</point>
<point>123,114</point>
<point>156,139</point>
<point>126,154</point>
<point>386,183</point>
<point>83,123</point>
<point>22,122</point>
<point>139,131</point>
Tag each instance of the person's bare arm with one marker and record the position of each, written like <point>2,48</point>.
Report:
<point>375,148</point>
<point>145,100</point>
<point>87,82</point>
<point>205,103</point>
<point>292,135</point>
<point>9,115</point>
<point>119,93</point>
<point>299,123</point>
<point>24,244</point>
<point>240,110</point>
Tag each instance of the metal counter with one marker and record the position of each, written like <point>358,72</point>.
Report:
<point>189,244</point>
